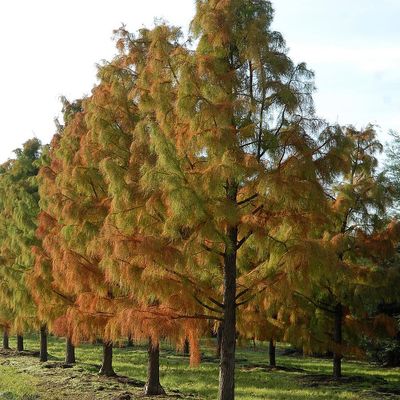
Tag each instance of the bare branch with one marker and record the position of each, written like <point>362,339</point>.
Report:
<point>247,200</point>
<point>205,305</point>
<point>209,249</point>
<point>243,240</point>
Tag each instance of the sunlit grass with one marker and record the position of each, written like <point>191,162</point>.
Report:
<point>16,385</point>
<point>253,380</point>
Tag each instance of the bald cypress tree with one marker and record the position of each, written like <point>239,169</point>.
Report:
<point>227,124</point>
<point>19,212</point>
<point>5,322</point>
<point>111,118</point>
<point>151,304</point>
<point>7,309</point>
<point>45,283</point>
<point>392,166</point>
<point>74,206</point>
<point>346,256</point>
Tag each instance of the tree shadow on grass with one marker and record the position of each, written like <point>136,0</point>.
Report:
<point>373,384</point>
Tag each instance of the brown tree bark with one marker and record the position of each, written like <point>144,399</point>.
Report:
<point>228,345</point>
<point>272,353</point>
<point>20,343</point>
<point>6,341</point>
<point>338,340</point>
<point>129,343</point>
<point>43,344</point>
<point>106,367</point>
<point>153,386</point>
<point>219,341</point>
<point>186,347</point>
<point>69,352</point>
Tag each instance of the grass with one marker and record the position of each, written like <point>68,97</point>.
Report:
<point>254,381</point>
<point>16,385</point>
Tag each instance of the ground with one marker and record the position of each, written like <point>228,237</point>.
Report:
<point>23,377</point>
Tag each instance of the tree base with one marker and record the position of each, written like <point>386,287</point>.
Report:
<point>337,377</point>
<point>106,367</point>
<point>43,344</point>
<point>107,372</point>
<point>153,390</point>
<point>272,354</point>
<point>20,343</point>
<point>337,367</point>
<point>186,348</point>
<point>6,342</point>
<point>70,352</point>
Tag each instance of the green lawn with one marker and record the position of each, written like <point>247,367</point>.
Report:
<point>253,380</point>
<point>14,384</point>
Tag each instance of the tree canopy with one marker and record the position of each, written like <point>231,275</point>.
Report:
<point>195,189</point>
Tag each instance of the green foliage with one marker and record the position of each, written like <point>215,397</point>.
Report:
<point>351,262</point>
<point>392,166</point>
<point>19,209</point>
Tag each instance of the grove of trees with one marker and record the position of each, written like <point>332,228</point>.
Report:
<point>196,190</point>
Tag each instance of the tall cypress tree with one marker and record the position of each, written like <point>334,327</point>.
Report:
<point>44,282</point>
<point>19,208</point>
<point>227,124</point>
<point>130,247</point>
<point>75,206</point>
<point>347,255</point>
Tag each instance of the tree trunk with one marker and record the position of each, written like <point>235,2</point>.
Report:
<point>20,343</point>
<point>6,342</point>
<point>227,359</point>
<point>337,338</point>
<point>153,386</point>
<point>272,353</point>
<point>69,352</point>
<point>43,344</point>
<point>186,349</point>
<point>129,342</point>
<point>106,368</point>
<point>219,341</point>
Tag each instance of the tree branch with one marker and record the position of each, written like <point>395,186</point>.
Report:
<point>205,305</point>
<point>243,240</point>
<point>209,249</point>
<point>239,203</point>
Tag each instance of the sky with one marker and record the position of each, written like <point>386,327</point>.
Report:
<point>50,48</point>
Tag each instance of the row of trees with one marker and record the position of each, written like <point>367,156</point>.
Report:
<point>195,189</point>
